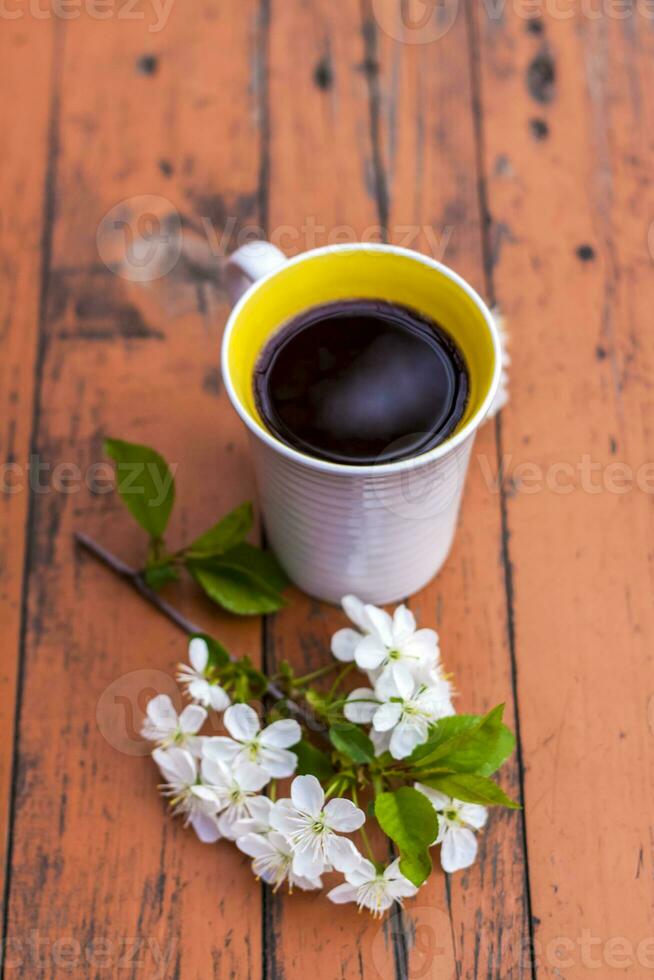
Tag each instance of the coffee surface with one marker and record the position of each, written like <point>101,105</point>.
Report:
<point>361,381</point>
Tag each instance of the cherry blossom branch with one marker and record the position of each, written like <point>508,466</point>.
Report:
<point>135,579</point>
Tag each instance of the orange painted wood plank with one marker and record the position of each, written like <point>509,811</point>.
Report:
<point>26,66</point>
<point>320,191</point>
<point>568,153</point>
<point>140,362</point>
<point>473,923</point>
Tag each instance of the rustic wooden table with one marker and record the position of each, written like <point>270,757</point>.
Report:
<point>518,149</point>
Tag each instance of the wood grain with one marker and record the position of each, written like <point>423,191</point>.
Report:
<point>476,923</point>
<point>517,149</point>
<point>27,66</point>
<point>140,362</point>
<point>321,191</point>
<point>567,163</point>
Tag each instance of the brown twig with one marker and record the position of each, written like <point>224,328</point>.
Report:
<point>136,580</point>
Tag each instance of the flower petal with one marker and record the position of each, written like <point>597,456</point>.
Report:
<point>221,748</point>
<point>278,763</point>
<point>281,734</point>
<point>218,698</point>
<point>387,716</point>
<point>260,807</point>
<point>308,863</point>
<point>343,816</point>
<point>381,741</point>
<point>344,643</point>
<point>370,653</point>
<point>228,822</point>
<point>250,777</point>
<point>308,797</point>
<point>361,706</point>
<point>459,849</point>
<point>405,738</point>
<point>439,801</point>
<point>404,625</point>
<point>177,766</point>
<point>206,827</point>
<point>285,818</point>
<point>355,610</point>
<point>402,888</point>
<point>364,872</point>
<point>423,644</point>
<point>382,625</point>
<point>473,814</point>
<point>405,684</point>
<point>342,853</point>
<point>198,654</point>
<point>215,773</point>
<point>161,713</point>
<point>254,845</point>
<point>242,722</point>
<point>342,894</point>
<point>192,719</point>
<point>198,689</point>
<point>306,884</point>
<point>402,674</point>
<point>436,700</point>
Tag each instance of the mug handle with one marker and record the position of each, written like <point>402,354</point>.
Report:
<point>249,263</point>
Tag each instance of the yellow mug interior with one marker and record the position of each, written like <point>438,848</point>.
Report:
<point>359,274</point>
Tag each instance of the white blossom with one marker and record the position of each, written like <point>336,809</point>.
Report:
<point>268,749</point>
<point>258,821</point>
<point>312,828</point>
<point>195,680</point>
<point>373,889</point>
<point>234,788</point>
<point>345,641</point>
<point>187,795</point>
<point>394,645</point>
<point>165,727</point>
<point>401,709</point>
<point>273,861</point>
<point>457,822</point>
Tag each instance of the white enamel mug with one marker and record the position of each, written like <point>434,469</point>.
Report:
<point>380,532</point>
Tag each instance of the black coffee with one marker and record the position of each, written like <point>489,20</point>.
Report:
<point>361,381</point>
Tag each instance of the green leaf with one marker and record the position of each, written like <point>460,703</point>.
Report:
<point>227,533</point>
<point>416,865</point>
<point>259,564</point>
<point>312,762</point>
<point>472,788</point>
<point>145,484</point>
<point>159,575</point>
<point>234,590</point>
<point>409,819</point>
<point>218,655</point>
<point>466,743</point>
<point>352,741</point>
